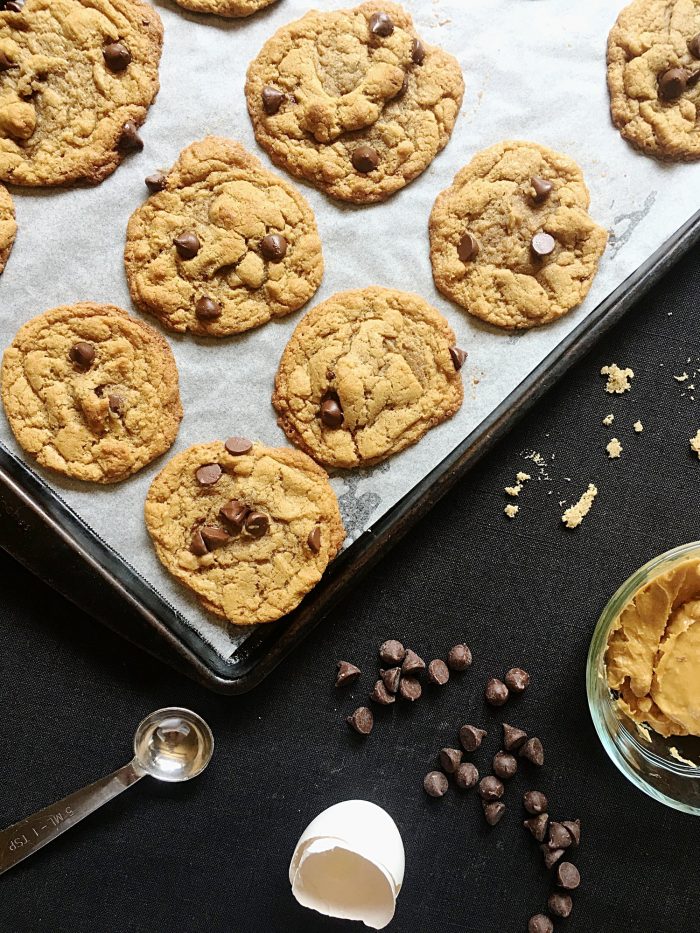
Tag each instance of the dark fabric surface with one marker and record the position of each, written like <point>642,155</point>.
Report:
<point>213,854</point>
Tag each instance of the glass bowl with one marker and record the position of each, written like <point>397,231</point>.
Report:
<point>667,769</point>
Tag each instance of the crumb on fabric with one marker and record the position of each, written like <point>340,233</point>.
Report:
<point>518,487</point>
<point>574,515</point>
<point>511,510</point>
<point>695,443</point>
<point>618,379</point>
<point>614,448</point>
<point>608,419</point>
<point>638,427</point>
<point>522,477</point>
<point>682,378</point>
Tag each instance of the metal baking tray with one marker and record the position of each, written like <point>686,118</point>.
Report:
<point>49,538</point>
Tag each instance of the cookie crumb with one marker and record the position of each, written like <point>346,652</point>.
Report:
<point>608,419</point>
<point>638,427</point>
<point>695,443</point>
<point>573,516</point>
<point>614,449</point>
<point>682,378</point>
<point>618,379</point>
<point>513,490</point>
<point>511,510</point>
<point>522,477</point>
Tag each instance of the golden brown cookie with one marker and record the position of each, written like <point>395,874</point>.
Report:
<point>78,77</point>
<point>511,240</point>
<point>654,77</point>
<point>353,100</point>
<point>248,528</point>
<point>8,226</point>
<point>366,374</point>
<point>233,8</point>
<point>91,392</point>
<point>222,245</point>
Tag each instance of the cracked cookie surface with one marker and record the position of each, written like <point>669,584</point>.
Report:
<point>511,240</point>
<point>8,226</point>
<point>353,100</point>
<point>366,374</point>
<point>76,80</point>
<point>225,245</point>
<point>91,392</point>
<point>233,8</point>
<point>249,532</point>
<point>654,77</point>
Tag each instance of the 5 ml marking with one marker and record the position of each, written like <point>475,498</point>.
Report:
<point>53,820</point>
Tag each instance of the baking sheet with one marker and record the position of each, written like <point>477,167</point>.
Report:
<point>534,69</point>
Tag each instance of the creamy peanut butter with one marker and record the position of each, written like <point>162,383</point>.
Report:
<point>653,652</point>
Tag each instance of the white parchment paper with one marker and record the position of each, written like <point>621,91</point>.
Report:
<point>534,69</point>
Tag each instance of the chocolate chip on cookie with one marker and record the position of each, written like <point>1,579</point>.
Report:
<point>273,247</point>
<point>187,245</point>
<point>197,545</point>
<point>129,139</point>
<point>214,537</point>
<point>257,524</point>
<point>672,83</point>
<point>542,244</point>
<point>458,357</point>
<point>209,474</point>
<point>82,354</point>
<point>417,52</point>
<point>156,182</point>
<point>331,413</point>
<point>381,24</point>
<point>5,62</point>
<point>207,309</point>
<point>272,99</point>
<point>314,539</point>
<point>234,513</point>
<point>117,56</point>
<point>541,188</point>
<point>116,403</point>
<point>237,445</point>
<point>694,46</point>
<point>468,247</point>
<point>365,159</point>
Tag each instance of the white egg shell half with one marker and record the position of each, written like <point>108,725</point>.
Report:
<point>349,863</point>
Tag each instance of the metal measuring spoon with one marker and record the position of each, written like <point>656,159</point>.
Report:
<point>170,744</point>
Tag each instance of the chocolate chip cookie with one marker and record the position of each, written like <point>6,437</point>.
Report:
<point>511,240</point>
<point>654,77</point>
<point>233,8</point>
<point>222,245</point>
<point>91,392</point>
<point>77,80</point>
<point>8,226</point>
<point>248,528</point>
<point>366,374</point>
<point>353,100</point>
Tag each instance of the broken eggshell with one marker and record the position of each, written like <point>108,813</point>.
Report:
<point>349,864</point>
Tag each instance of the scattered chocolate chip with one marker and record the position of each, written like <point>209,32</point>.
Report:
<point>694,46</point>
<point>273,247</point>
<point>559,836</point>
<point>82,354</point>
<point>542,244</point>
<point>381,695</point>
<point>534,801</point>
<point>513,737</point>
<point>417,52</point>
<point>537,825</point>
<point>116,403</point>
<point>517,680</point>
<point>471,737</point>
<point>495,692</point>
<point>450,759</point>
<point>493,811</point>
<point>381,24</point>
<point>458,358</point>
<point>435,784</point>
<point>257,524</point>
<point>272,99</point>
<point>541,187</point>
<point>468,247</point>
<point>490,788</point>
<point>365,159</point>
<point>540,923</point>
<point>567,876</point>
<point>412,663</point>
<point>504,765</point>
<point>391,678</point>
<point>459,658</point>
<point>129,139</point>
<point>156,182</point>
<point>574,830</point>
<point>560,905</point>
<point>466,776</point>
<point>187,245</point>
<point>214,537</point>
<point>410,689</point>
<point>347,674</point>
<point>551,856</point>
<point>207,309</point>
<point>197,545</point>
<point>116,55</point>
<point>331,413</point>
<point>5,62</point>
<point>533,751</point>
<point>361,720</point>
<point>438,672</point>
<point>237,445</point>
<point>208,474</point>
<point>314,539</point>
<point>234,513</point>
<point>672,83</point>
<point>392,652</point>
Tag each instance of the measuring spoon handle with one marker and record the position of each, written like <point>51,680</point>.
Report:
<point>23,839</point>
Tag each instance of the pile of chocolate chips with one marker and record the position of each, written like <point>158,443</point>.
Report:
<point>400,676</point>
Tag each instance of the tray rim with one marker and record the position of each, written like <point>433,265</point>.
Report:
<point>268,645</point>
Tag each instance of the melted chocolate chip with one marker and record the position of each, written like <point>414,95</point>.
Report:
<point>156,182</point>
<point>458,357</point>
<point>257,524</point>
<point>381,24</point>
<point>694,46</point>
<point>418,52</point>
<point>272,100</point>
<point>208,474</point>
<point>238,445</point>
<point>672,83</point>
<point>365,159</point>
<point>207,309</point>
<point>117,57</point>
<point>187,245</point>
<point>129,140</point>
<point>116,404</point>
<point>542,244</point>
<point>82,354</point>
<point>5,62</point>
<point>214,537</point>
<point>234,513</point>
<point>468,247</point>
<point>314,540</point>
<point>541,187</point>
<point>331,413</point>
<point>273,247</point>
<point>197,545</point>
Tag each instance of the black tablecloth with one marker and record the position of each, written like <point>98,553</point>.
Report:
<point>213,854</point>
